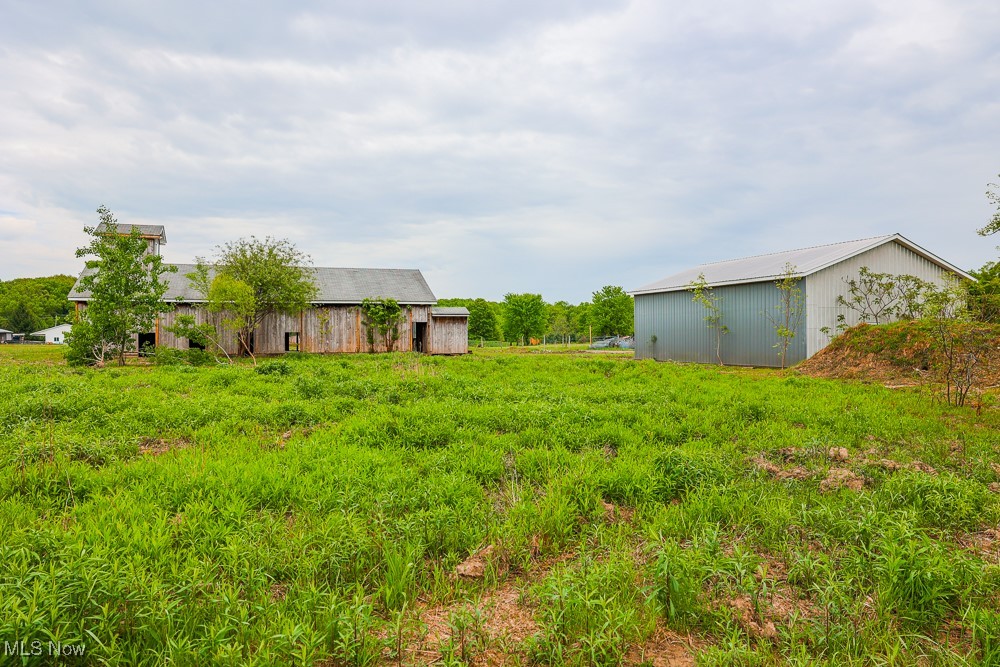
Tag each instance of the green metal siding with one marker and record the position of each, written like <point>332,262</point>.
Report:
<point>682,335</point>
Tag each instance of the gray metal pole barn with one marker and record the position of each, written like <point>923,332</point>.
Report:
<point>670,326</point>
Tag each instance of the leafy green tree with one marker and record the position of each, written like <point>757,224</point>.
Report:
<point>790,310</point>
<point>984,294</point>
<point>30,304</point>
<point>524,316</point>
<point>580,320</point>
<point>228,302</point>
<point>261,278</point>
<point>382,320</point>
<point>882,297</point>
<point>993,197</point>
<point>126,287</point>
<point>484,320</point>
<point>560,322</point>
<point>703,294</point>
<point>613,312</point>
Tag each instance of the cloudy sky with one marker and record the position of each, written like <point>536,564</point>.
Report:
<point>500,146</point>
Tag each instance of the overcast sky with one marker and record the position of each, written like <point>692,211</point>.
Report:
<point>500,146</point>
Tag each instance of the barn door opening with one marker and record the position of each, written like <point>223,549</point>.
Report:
<point>147,341</point>
<point>291,341</point>
<point>420,336</point>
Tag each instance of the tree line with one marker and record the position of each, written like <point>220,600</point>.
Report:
<point>523,318</point>
<point>32,304</point>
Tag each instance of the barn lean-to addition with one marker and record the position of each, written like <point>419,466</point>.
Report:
<point>333,322</point>
<point>670,326</point>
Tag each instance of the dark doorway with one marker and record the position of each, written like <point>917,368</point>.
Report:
<point>195,345</point>
<point>291,341</point>
<point>147,341</point>
<point>419,336</point>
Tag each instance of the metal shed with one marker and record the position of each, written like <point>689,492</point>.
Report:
<point>669,325</point>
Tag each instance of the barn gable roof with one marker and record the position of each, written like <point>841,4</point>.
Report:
<point>449,311</point>
<point>145,231</point>
<point>763,268</point>
<point>333,286</point>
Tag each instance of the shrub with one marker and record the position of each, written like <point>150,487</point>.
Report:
<point>277,367</point>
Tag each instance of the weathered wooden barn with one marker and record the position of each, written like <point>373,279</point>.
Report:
<point>670,326</point>
<point>333,323</point>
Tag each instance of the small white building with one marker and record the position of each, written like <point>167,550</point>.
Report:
<point>54,335</point>
<point>6,335</point>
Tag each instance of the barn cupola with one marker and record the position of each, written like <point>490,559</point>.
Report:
<point>154,235</point>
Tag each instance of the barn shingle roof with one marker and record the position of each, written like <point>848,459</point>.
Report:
<point>333,285</point>
<point>762,268</point>
<point>449,311</point>
<point>156,231</point>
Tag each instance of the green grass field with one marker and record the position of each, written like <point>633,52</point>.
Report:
<point>318,511</point>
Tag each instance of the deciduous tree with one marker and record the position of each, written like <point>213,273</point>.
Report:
<point>613,312</point>
<point>789,311</point>
<point>524,316</point>
<point>703,293</point>
<point>382,320</point>
<point>261,277</point>
<point>126,287</point>
<point>993,197</point>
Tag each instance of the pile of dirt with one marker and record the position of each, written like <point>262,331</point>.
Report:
<point>898,354</point>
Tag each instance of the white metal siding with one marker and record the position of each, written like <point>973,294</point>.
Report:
<point>826,285</point>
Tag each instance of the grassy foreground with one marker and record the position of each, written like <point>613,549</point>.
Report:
<point>496,508</point>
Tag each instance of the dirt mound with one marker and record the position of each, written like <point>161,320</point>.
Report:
<point>899,354</point>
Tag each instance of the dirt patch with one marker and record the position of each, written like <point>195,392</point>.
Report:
<point>474,567</point>
<point>617,513</point>
<point>664,648</point>
<point>278,591</point>
<point>158,446</point>
<point>839,454</point>
<point>893,466</point>
<point>840,478</point>
<point>985,544</point>
<point>797,473</point>
<point>492,633</point>
<point>897,355</point>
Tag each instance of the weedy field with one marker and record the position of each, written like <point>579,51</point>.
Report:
<point>502,507</point>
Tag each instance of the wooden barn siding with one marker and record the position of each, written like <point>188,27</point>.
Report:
<point>448,335</point>
<point>826,285</point>
<point>322,329</point>
<point>201,316</point>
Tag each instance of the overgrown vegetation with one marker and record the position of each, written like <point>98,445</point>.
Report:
<point>317,509</point>
<point>383,318</point>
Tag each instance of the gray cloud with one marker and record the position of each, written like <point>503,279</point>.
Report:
<point>552,147</point>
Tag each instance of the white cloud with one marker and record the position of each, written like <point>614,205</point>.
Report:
<point>551,147</point>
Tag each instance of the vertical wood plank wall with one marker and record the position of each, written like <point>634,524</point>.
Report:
<point>323,329</point>
<point>448,335</point>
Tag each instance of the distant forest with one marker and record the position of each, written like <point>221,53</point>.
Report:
<point>32,304</point>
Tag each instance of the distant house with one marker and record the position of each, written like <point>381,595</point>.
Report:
<point>668,325</point>
<point>332,323</point>
<point>5,335</point>
<point>54,335</point>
